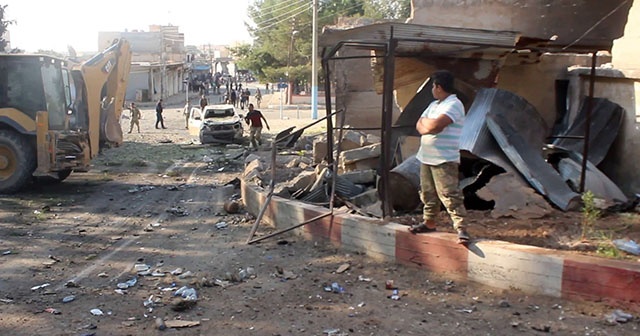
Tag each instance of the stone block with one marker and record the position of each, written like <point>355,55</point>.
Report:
<point>362,153</point>
<point>361,177</point>
<point>319,151</point>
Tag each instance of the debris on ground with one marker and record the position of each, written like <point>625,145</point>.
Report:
<point>618,316</point>
<point>627,245</point>
<point>343,268</point>
<point>181,323</point>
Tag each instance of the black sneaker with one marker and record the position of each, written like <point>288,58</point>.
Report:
<point>463,237</point>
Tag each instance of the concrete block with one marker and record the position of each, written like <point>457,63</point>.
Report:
<point>437,252</point>
<point>319,151</point>
<point>495,265</point>
<point>362,153</point>
<point>351,140</point>
<point>369,235</point>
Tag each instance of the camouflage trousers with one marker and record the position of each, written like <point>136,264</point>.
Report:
<point>440,184</point>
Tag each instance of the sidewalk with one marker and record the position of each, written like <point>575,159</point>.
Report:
<point>497,264</point>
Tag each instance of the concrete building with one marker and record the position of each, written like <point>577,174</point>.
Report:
<point>158,61</point>
<point>567,31</point>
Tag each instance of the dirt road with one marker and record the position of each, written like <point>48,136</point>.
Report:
<point>156,203</point>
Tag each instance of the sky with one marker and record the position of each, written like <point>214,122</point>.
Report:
<point>54,25</point>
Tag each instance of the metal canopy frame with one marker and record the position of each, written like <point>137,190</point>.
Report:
<point>389,50</point>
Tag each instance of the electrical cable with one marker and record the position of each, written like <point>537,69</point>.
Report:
<point>279,16</point>
<point>287,18</point>
<point>274,8</point>
<point>595,25</point>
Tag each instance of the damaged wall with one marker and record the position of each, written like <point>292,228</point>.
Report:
<point>538,87</point>
<point>355,91</point>
<point>566,19</point>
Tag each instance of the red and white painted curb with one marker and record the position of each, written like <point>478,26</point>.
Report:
<point>498,264</point>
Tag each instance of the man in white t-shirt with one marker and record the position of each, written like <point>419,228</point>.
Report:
<point>441,126</point>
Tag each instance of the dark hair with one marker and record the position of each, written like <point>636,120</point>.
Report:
<point>444,78</point>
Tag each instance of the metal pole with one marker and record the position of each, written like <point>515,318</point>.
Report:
<point>280,103</point>
<point>587,130</point>
<point>251,241</point>
<point>272,186</point>
<point>314,66</point>
<point>387,119</point>
<point>327,99</point>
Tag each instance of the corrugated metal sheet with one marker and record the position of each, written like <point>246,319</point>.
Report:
<point>478,140</point>
<point>595,181</point>
<point>606,120</point>
<point>530,162</point>
<point>416,39</point>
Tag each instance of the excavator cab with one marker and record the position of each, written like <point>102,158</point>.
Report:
<point>56,116</point>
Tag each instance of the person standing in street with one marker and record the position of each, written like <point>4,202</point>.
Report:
<point>258,97</point>
<point>186,112</point>
<point>134,117</point>
<point>254,119</point>
<point>441,127</point>
<point>203,102</point>
<point>233,98</point>
<point>159,110</point>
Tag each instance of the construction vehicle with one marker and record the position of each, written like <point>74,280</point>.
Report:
<point>56,115</point>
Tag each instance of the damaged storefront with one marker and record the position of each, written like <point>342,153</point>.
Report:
<point>516,161</point>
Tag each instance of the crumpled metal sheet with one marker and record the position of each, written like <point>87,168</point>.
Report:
<point>606,120</point>
<point>478,140</point>
<point>528,159</point>
<point>595,180</point>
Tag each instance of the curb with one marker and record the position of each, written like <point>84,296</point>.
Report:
<point>499,264</point>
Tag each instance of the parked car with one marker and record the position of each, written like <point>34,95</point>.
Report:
<point>216,124</point>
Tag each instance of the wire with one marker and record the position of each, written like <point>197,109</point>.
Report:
<point>279,16</point>
<point>277,7</point>
<point>287,18</point>
<point>595,25</point>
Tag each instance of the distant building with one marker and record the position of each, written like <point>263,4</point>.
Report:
<point>158,61</point>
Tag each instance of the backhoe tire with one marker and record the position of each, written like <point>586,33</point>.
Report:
<point>17,161</point>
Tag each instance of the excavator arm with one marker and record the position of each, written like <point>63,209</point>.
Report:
<point>105,78</point>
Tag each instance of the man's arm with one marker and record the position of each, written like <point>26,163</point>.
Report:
<point>433,126</point>
<point>265,121</point>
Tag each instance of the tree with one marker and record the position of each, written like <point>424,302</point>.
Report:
<point>384,9</point>
<point>3,27</point>
<point>282,31</point>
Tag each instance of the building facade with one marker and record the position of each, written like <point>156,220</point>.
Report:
<point>158,61</point>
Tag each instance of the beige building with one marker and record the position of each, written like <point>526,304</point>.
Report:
<point>158,61</point>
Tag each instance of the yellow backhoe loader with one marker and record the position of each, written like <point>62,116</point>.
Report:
<point>56,115</point>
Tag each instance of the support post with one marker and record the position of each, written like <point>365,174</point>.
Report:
<point>387,113</point>
<point>587,129</point>
<point>314,65</point>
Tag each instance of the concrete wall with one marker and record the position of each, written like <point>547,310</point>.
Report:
<point>536,82</point>
<point>567,19</point>
<point>355,91</point>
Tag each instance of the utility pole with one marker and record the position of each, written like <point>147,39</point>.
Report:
<point>314,66</point>
<point>163,56</point>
